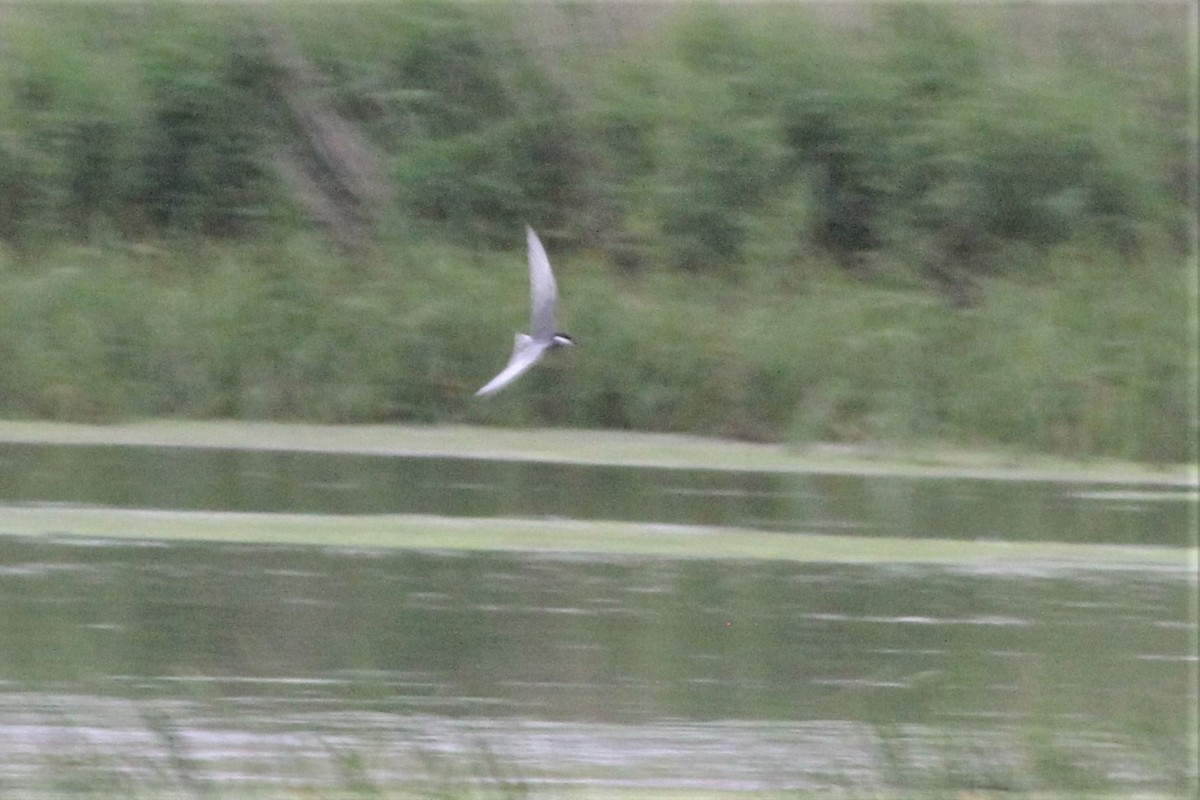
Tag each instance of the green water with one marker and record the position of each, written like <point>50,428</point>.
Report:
<point>237,480</point>
<point>220,666</point>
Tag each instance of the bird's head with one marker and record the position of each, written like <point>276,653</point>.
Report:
<point>562,340</point>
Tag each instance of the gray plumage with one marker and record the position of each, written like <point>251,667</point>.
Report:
<point>543,334</point>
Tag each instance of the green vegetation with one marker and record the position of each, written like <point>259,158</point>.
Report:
<point>415,531</point>
<point>877,223</point>
<point>611,448</point>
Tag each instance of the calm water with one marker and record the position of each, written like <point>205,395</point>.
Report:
<point>188,666</point>
<point>231,480</point>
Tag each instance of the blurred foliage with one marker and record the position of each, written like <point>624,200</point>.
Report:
<point>1092,362</point>
<point>128,118</point>
<point>203,166</point>
<point>908,141</point>
<point>778,200</point>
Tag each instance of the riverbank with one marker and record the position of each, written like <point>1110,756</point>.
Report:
<point>929,229</point>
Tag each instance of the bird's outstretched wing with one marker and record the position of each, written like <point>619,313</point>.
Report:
<point>543,294</point>
<point>525,354</point>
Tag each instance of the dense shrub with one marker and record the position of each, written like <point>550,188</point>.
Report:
<point>205,159</point>
<point>751,204</point>
<point>906,141</point>
<point>138,120</point>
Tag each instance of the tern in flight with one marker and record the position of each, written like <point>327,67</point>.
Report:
<point>543,334</point>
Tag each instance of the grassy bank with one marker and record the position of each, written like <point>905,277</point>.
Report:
<point>856,223</point>
<point>1094,364</point>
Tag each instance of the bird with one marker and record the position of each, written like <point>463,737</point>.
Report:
<point>543,334</point>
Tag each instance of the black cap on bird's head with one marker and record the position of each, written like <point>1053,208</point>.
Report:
<point>562,340</point>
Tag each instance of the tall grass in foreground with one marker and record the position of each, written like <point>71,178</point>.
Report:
<point>1092,362</point>
<point>937,762</point>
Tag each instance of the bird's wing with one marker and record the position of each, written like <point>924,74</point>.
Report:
<point>525,354</point>
<point>543,294</point>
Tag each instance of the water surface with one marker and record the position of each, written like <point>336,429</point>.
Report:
<point>179,666</point>
<point>240,480</point>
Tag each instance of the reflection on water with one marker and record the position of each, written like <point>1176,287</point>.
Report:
<point>150,665</point>
<point>232,662</point>
<point>232,480</point>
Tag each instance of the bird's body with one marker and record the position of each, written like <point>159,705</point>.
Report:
<point>543,334</point>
